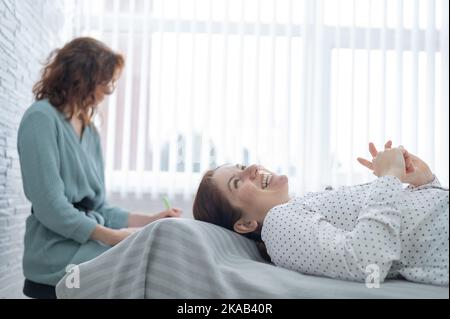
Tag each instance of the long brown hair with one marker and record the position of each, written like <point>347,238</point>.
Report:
<point>211,206</point>
<point>71,75</point>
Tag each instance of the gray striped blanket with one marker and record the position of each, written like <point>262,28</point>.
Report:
<point>189,259</point>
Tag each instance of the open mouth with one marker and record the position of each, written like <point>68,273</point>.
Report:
<point>265,182</point>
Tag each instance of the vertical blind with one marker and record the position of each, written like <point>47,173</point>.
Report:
<point>299,86</point>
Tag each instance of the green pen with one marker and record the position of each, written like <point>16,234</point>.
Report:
<point>166,202</point>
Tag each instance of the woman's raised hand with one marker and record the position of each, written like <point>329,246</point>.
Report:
<point>417,171</point>
<point>389,162</point>
<point>380,164</point>
<point>373,151</point>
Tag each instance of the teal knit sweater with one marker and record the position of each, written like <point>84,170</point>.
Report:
<point>63,178</point>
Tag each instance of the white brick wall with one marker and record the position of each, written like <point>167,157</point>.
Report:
<point>29,30</point>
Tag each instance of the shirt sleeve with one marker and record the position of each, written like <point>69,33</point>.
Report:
<point>306,242</point>
<point>115,217</point>
<point>435,182</point>
<point>43,186</point>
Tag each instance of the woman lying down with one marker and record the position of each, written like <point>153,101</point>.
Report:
<point>378,228</point>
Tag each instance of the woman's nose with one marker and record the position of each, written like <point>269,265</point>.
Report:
<point>251,171</point>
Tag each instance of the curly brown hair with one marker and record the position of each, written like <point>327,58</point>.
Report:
<point>72,74</point>
<point>211,206</point>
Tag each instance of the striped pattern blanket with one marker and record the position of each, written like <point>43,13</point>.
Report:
<point>189,259</point>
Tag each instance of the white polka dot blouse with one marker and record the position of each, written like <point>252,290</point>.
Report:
<point>350,232</point>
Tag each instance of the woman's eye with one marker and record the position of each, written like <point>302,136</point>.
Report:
<point>235,182</point>
<point>243,167</point>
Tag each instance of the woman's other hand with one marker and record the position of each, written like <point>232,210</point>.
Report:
<point>120,234</point>
<point>131,230</point>
<point>173,212</point>
<point>421,173</point>
<point>110,236</point>
<point>142,219</point>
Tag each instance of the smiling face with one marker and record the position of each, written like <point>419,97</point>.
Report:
<point>253,189</point>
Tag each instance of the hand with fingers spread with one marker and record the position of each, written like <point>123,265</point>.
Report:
<point>389,162</point>
<point>380,161</point>
<point>417,171</point>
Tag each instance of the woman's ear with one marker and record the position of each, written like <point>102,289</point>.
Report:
<point>243,226</point>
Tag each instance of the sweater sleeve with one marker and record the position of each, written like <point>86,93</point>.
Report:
<point>312,245</point>
<point>115,217</point>
<point>42,183</point>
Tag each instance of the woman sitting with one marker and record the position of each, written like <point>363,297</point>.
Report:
<point>61,161</point>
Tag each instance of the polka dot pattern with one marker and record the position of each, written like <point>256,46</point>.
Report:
<point>341,233</point>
